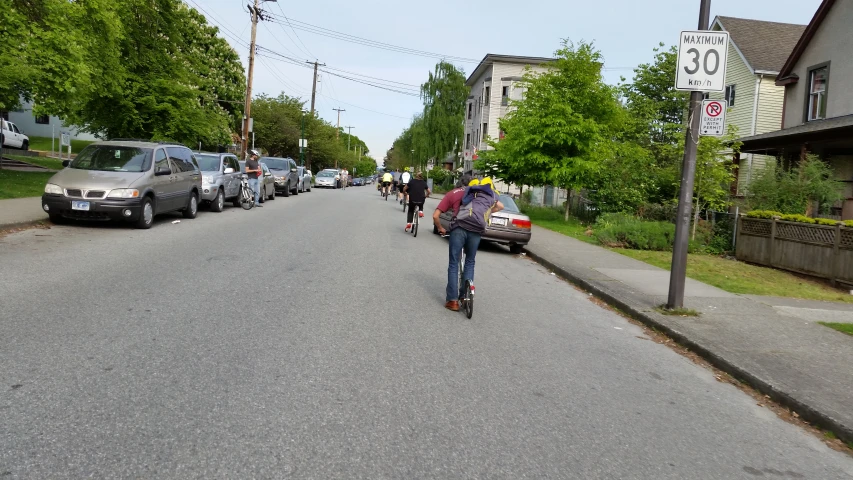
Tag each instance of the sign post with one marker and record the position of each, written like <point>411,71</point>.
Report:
<point>713,122</point>
<point>65,141</point>
<point>701,67</point>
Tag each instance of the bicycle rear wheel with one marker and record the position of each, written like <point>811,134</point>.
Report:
<point>416,220</point>
<point>469,300</point>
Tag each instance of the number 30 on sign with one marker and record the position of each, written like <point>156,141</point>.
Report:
<point>702,62</point>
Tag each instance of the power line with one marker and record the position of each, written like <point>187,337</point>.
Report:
<point>294,32</point>
<point>280,42</point>
<point>370,43</point>
<point>366,109</point>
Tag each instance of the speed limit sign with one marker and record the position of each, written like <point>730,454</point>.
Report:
<point>702,59</point>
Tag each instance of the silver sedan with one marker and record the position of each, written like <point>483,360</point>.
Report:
<point>508,227</point>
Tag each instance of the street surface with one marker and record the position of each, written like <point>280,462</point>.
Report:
<point>308,339</point>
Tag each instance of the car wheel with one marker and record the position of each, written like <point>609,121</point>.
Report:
<point>192,207</point>
<point>146,215</point>
<point>516,249</point>
<point>218,203</point>
<point>309,188</point>
<point>272,194</point>
<point>25,146</point>
<point>56,219</point>
<point>296,190</point>
<point>286,191</point>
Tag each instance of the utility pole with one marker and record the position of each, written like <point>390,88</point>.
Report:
<point>247,112</point>
<point>678,271</point>
<point>314,88</point>
<point>349,136</point>
<point>301,140</point>
<point>338,131</point>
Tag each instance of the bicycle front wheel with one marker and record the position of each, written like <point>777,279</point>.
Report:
<point>416,221</point>
<point>469,300</point>
<point>248,199</point>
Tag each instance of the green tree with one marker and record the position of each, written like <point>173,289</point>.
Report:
<point>811,182</point>
<point>444,95</point>
<point>563,128</point>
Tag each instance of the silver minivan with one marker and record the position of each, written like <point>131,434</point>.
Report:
<point>125,180</point>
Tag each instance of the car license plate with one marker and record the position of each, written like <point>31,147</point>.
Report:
<point>80,206</point>
<point>499,221</point>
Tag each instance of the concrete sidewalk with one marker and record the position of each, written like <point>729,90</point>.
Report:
<point>16,212</point>
<point>773,344</point>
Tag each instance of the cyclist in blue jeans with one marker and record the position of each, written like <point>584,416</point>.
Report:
<point>460,239</point>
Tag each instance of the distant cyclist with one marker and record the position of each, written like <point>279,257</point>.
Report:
<point>387,178</point>
<point>466,229</point>
<point>405,178</point>
<point>416,192</point>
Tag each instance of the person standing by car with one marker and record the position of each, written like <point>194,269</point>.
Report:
<point>465,230</point>
<point>253,171</point>
<point>416,191</point>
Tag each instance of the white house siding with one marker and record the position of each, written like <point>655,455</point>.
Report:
<point>769,119</point>
<point>26,122</point>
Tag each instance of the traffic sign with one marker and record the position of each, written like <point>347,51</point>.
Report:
<point>713,121</point>
<point>702,56</point>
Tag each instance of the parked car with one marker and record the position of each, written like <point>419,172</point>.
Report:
<point>285,174</point>
<point>12,137</point>
<point>326,179</point>
<point>220,179</point>
<point>358,182</point>
<point>509,226</point>
<point>125,180</point>
<point>304,176</point>
<point>266,184</point>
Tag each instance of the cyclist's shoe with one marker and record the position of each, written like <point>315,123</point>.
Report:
<point>452,305</point>
<point>258,205</point>
<point>408,227</point>
<point>421,213</point>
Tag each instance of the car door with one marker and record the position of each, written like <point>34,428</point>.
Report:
<point>267,181</point>
<point>17,140</point>
<point>163,184</point>
<point>182,162</point>
<point>234,188</point>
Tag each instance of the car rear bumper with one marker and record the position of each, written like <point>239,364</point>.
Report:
<point>507,235</point>
<point>105,209</point>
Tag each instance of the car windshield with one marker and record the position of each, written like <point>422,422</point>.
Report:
<point>326,174</point>
<point>113,158</point>
<point>276,163</point>
<point>208,163</point>
<point>509,204</point>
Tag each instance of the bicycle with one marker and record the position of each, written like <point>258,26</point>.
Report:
<point>247,195</point>
<point>416,220</point>
<point>466,287</point>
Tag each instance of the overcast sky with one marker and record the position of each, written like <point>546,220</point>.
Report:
<point>624,31</point>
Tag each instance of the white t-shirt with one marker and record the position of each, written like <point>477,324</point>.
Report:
<point>405,177</point>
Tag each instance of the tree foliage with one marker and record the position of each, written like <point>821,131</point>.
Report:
<point>797,190</point>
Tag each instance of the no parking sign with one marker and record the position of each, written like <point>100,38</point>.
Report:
<point>713,118</point>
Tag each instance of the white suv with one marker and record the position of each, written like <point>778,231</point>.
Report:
<point>12,137</point>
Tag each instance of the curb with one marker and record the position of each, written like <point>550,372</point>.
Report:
<point>806,412</point>
<point>30,223</point>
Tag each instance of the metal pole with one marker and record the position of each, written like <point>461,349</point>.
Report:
<point>301,140</point>
<point>678,271</point>
<point>338,131</point>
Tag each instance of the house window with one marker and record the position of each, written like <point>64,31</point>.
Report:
<point>43,120</point>
<point>467,140</point>
<point>818,79</point>
<point>470,107</point>
<point>730,95</point>
<point>487,95</point>
<point>485,130</point>
<point>504,95</point>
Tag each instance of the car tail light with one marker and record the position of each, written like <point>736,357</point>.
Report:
<point>521,223</point>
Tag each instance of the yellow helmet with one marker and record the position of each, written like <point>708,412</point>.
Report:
<point>407,169</point>
<point>488,181</point>
<point>473,183</point>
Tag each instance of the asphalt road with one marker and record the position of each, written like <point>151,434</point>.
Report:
<point>307,339</point>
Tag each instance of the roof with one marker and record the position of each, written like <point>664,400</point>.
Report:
<point>491,58</point>
<point>840,126</point>
<point>803,42</point>
<point>764,45</point>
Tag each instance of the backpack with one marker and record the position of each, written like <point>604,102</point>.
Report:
<point>475,210</point>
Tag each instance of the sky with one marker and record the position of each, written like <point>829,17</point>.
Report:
<point>624,31</point>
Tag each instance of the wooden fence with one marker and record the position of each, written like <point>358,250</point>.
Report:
<point>818,250</point>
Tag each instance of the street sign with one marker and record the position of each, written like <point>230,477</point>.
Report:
<point>702,56</point>
<point>713,122</point>
<point>251,124</point>
<point>65,139</point>
<point>303,143</point>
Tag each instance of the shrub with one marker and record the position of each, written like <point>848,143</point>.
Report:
<point>795,190</point>
<point>540,213</point>
<point>765,214</point>
<point>721,240</point>
<point>798,218</point>
<point>661,212</point>
<point>848,223</point>
<point>620,230</point>
<point>826,221</point>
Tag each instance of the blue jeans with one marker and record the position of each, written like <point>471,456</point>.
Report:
<point>253,184</point>
<point>459,239</point>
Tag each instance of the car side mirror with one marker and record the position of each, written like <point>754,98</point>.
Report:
<point>65,163</point>
<point>229,170</point>
<point>163,171</point>
<point>292,169</point>
<point>267,174</point>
